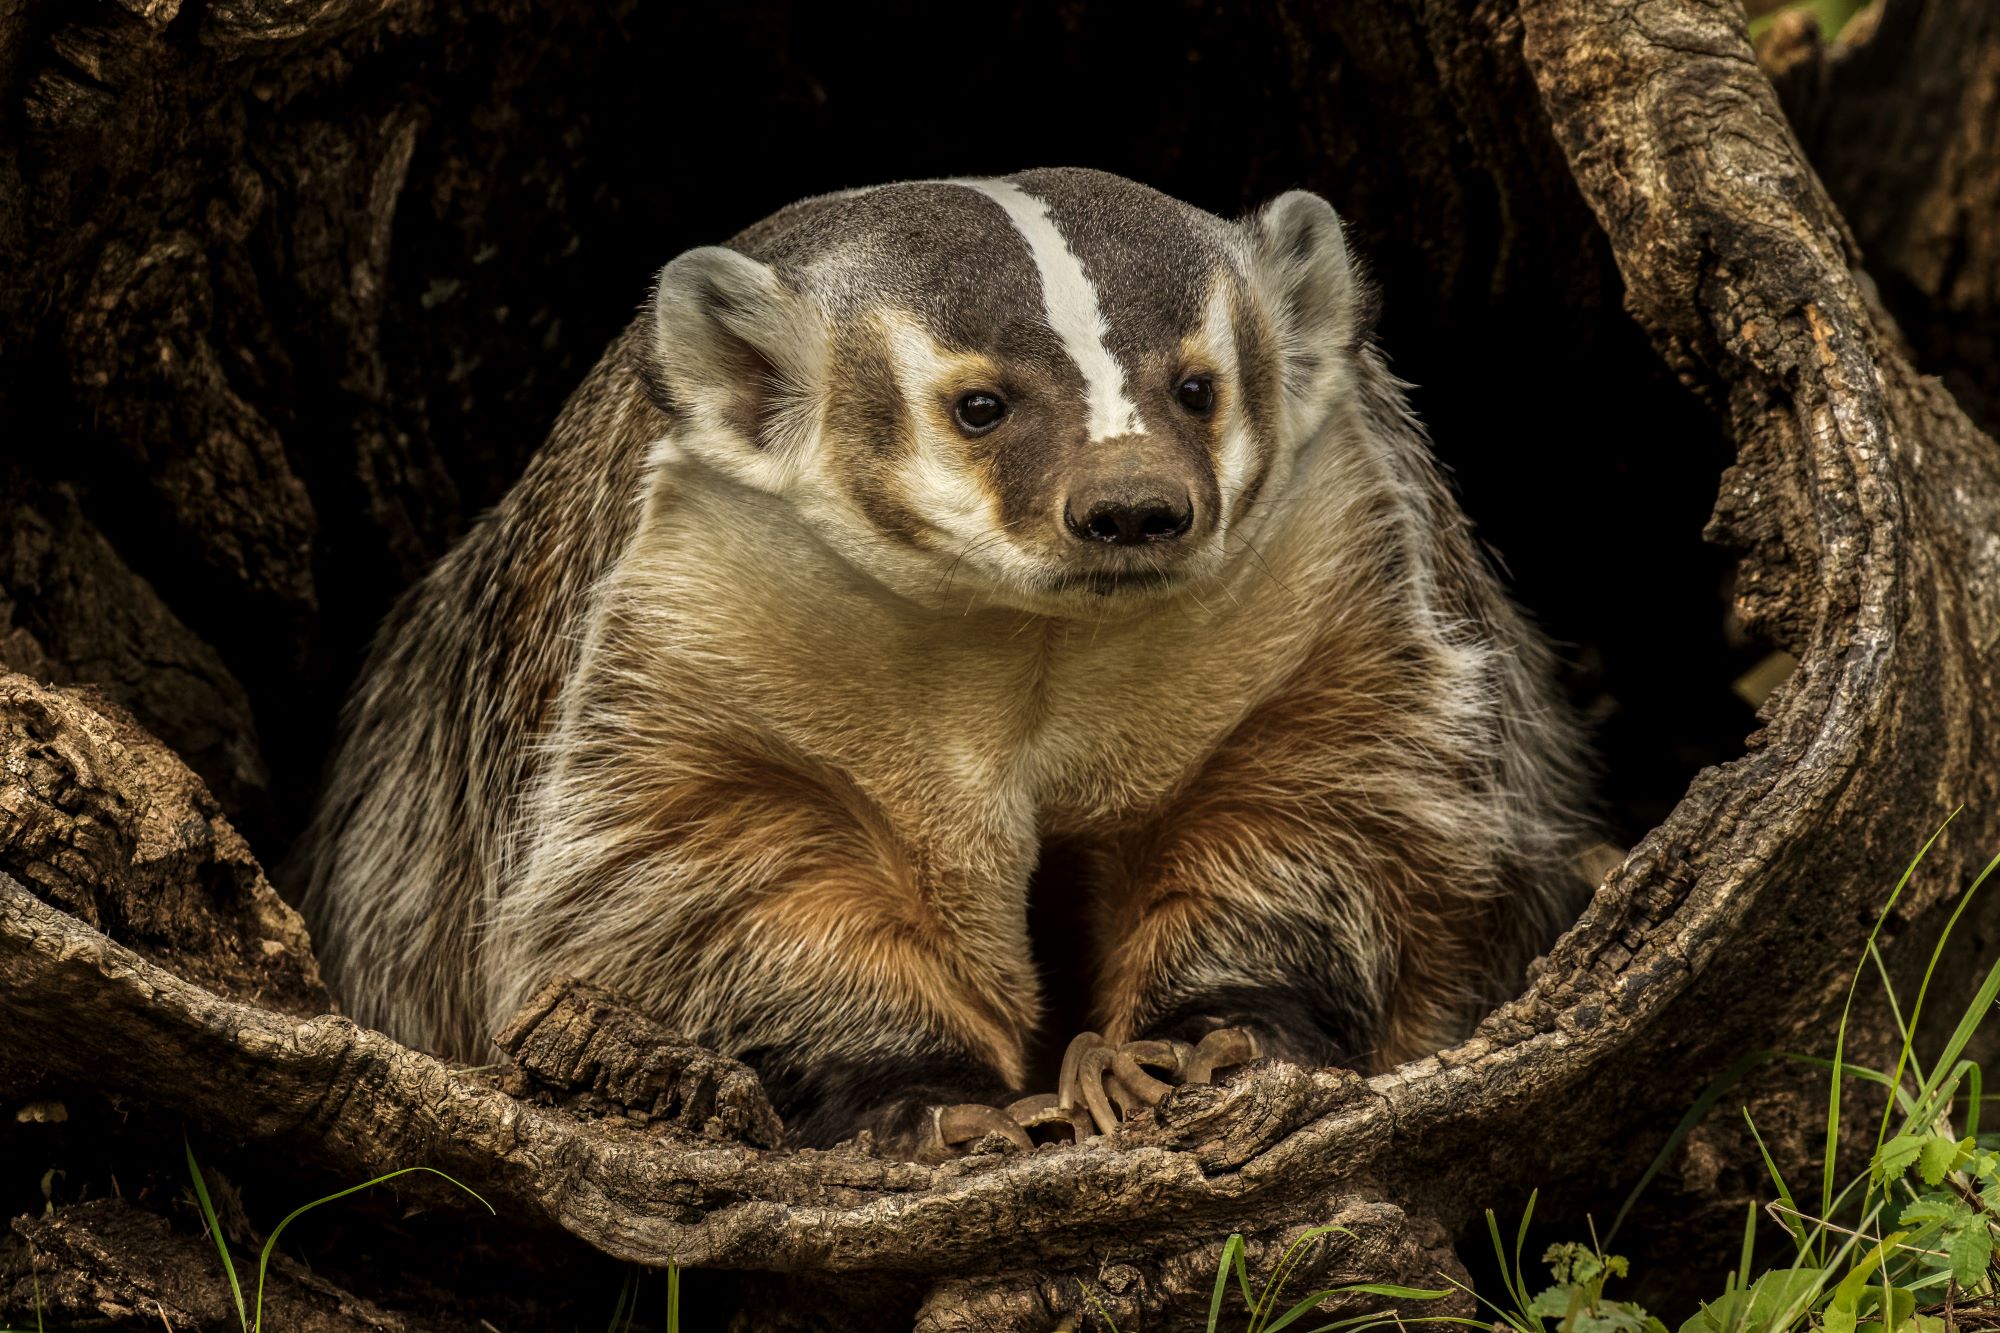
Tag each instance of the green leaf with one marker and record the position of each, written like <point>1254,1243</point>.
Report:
<point>1937,1157</point>
<point>1852,1296</point>
<point>1772,1295</point>
<point>1933,1209</point>
<point>1896,1156</point>
<point>1902,1304</point>
<point>1611,1317</point>
<point>1969,1248</point>
<point>1553,1303</point>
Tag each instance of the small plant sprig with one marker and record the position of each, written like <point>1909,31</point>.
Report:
<point>1576,1301</point>
<point>251,1317</point>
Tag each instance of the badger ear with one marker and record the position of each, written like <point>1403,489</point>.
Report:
<point>736,353</point>
<point>1310,286</point>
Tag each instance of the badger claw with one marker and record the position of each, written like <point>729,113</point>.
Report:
<point>1224,1048</point>
<point>955,1129</point>
<point>1102,1084</point>
<point>1047,1120</point>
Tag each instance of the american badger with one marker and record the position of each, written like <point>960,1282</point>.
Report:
<point>915,529</point>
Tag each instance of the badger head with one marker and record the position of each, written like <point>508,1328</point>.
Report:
<point>1058,391</point>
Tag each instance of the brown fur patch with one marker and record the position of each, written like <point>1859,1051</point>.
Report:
<point>867,418</point>
<point>1328,804</point>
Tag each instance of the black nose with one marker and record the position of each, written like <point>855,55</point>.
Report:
<point>1122,517</point>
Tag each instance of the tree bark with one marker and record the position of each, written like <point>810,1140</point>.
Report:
<point>291,281</point>
<point>1901,117</point>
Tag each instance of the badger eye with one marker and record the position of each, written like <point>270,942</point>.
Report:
<point>1197,394</point>
<point>978,413</point>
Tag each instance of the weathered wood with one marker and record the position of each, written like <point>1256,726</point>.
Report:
<point>106,823</point>
<point>1901,118</point>
<point>576,1046</point>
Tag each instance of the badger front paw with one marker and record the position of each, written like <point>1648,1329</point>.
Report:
<point>1022,1125</point>
<point>1108,1083</point>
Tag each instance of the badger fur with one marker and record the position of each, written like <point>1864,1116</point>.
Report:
<point>914,529</point>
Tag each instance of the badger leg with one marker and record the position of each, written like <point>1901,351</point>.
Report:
<point>1336,907</point>
<point>760,906</point>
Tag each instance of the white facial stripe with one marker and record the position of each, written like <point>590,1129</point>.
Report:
<point>1239,451</point>
<point>1071,302</point>
<point>934,480</point>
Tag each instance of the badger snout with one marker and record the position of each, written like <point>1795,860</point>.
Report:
<point>1128,511</point>
<point>1136,492</point>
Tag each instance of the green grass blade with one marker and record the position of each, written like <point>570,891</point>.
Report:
<point>1705,1103</point>
<point>1975,1084</point>
<point>1889,994</point>
<point>1297,1312</point>
<point>674,1300</point>
<point>270,1243</point>
<point>1742,1307</point>
<point>1306,1306</point>
<point>1975,1014</point>
<point>1287,1264</point>
<point>1923,990</point>
<point>1520,1244</point>
<point>1360,1323</point>
<point>215,1230</point>
<point>1793,1227</point>
<point>1231,1249</point>
<point>625,1294</point>
<point>1696,1113</point>
<point>1828,1160</point>
<point>1508,1278</point>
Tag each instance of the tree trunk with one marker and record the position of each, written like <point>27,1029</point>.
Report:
<point>289,292</point>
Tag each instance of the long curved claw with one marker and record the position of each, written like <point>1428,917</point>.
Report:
<point>1167,1055</point>
<point>954,1129</point>
<point>1223,1048</point>
<point>1131,1086</point>
<point>1069,1081</point>
<point>1084,1084</point>
<point>1047,1120</point>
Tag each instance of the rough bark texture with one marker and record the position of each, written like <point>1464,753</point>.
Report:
<point>104,822</point>
<point>289,291</point>
<point>1901,117</point>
